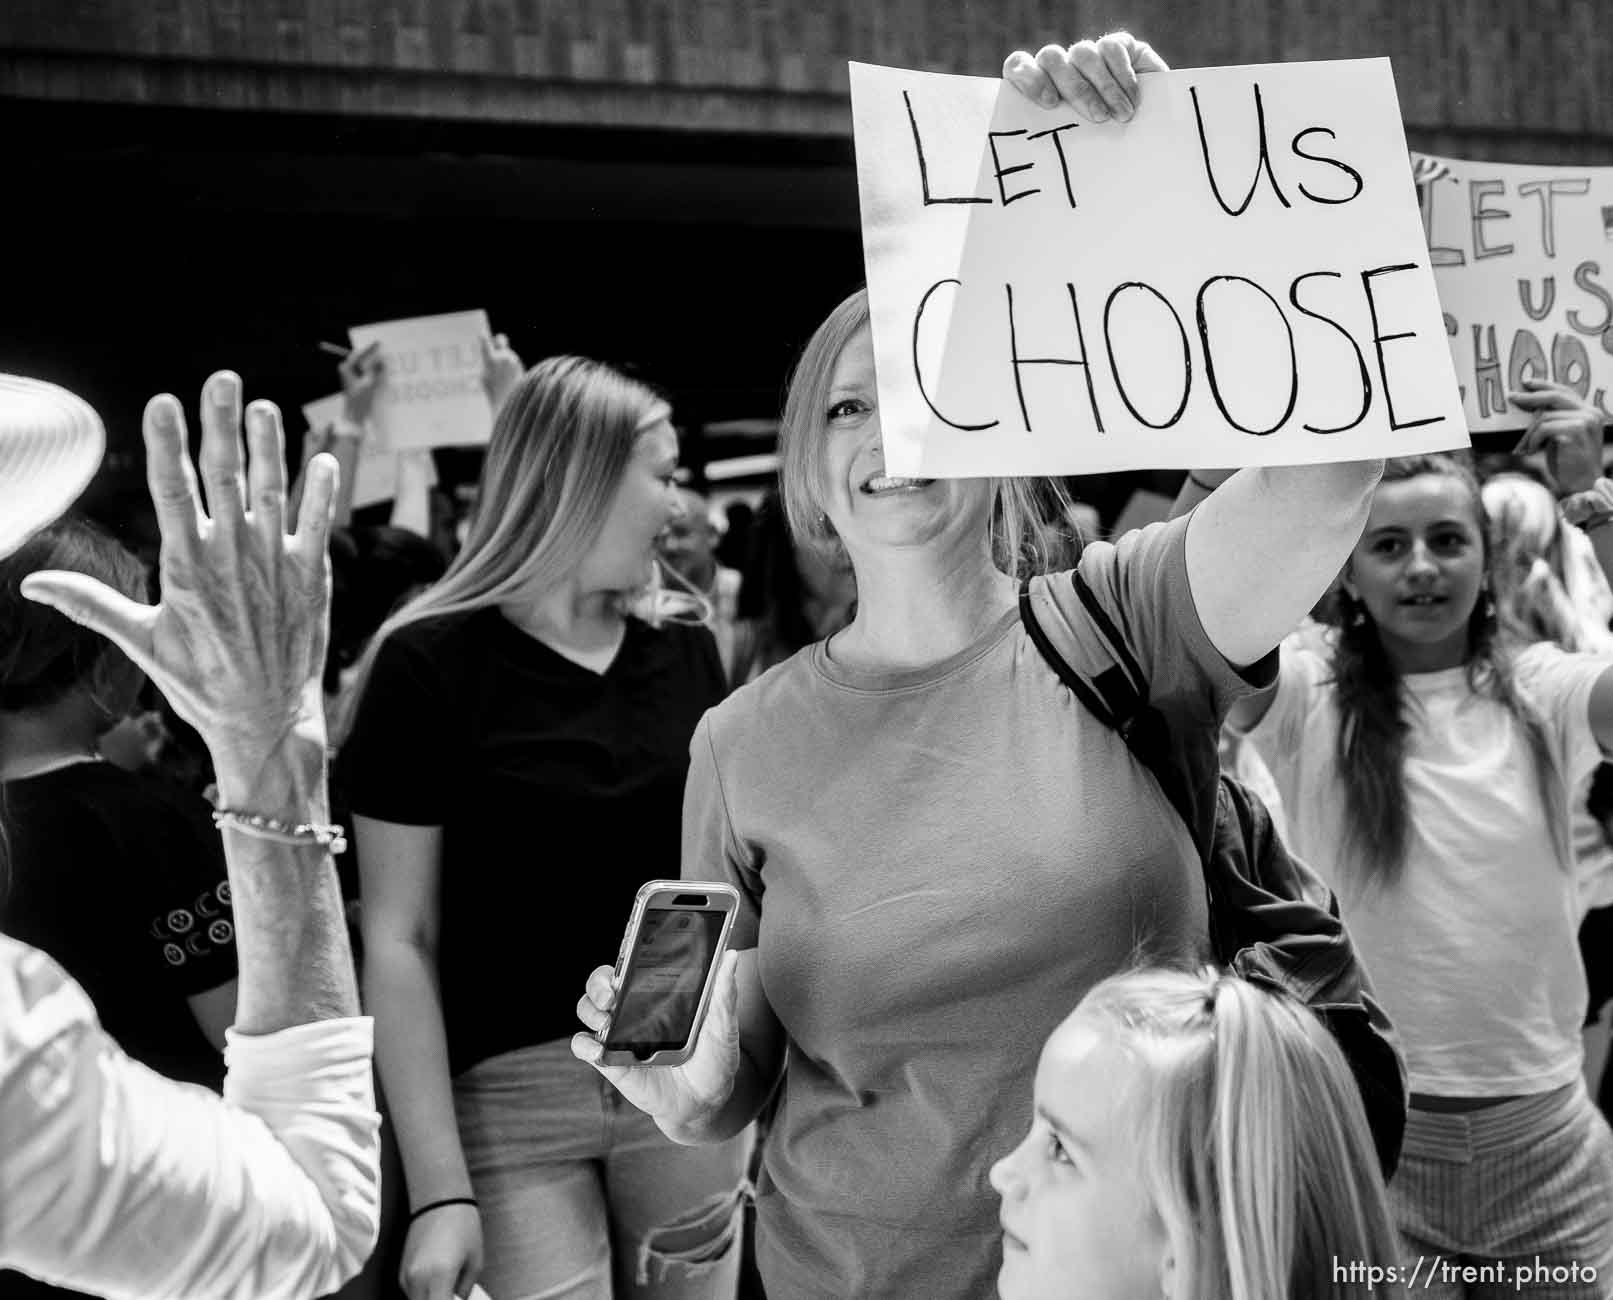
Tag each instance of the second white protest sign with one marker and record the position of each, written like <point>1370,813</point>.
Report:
<point>432,393</point>
<point>1238,276</point>
<point>1521,256</point>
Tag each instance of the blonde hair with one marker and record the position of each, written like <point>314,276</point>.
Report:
<point>1030,528</point>
<point>1544,591</point>
<point>560,445</point>
<point>1251,1136</point>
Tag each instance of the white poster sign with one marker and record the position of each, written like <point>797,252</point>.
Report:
<point>432,393</point>
<point>1238,276</point>
<point>1524,261</point>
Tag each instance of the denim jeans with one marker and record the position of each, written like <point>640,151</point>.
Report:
<point>582,1198</point>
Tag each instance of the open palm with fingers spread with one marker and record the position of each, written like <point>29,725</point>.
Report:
<point>237,643</point>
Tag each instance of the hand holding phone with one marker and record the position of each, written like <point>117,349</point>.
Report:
<point>665,1018</point>
<point>666,969</point>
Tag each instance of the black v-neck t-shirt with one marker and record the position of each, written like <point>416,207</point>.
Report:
<point>559,791</point>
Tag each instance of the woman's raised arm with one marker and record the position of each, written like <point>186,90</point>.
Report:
<point>1263,547</point>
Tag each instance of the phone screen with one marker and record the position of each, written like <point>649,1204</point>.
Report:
<point>666,971</point>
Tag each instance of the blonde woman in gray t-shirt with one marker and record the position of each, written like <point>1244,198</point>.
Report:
<point>937,850</point>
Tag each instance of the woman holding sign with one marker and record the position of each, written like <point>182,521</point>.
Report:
<point>938,851</point>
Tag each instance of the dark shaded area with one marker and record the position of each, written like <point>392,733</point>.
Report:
<point>151,246</point>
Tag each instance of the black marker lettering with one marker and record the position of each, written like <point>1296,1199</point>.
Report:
<point>924,168</point>
<point>1379,339</point>
<point>997,166</point>
<point>1360,358</point>
<point>1114,368</point>
<point>1331,162</point>
<point>918,373</point>
<point>1018,361</point>
<point>1209,356</point>
<point>1263,162</point>
<point>1058,145</point>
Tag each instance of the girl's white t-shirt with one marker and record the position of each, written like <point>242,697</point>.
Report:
<point>1473,951</point>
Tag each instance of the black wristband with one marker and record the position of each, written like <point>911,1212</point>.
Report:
<point>429,1206</point>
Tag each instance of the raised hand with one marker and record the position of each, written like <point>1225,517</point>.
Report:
<point>1567,428</point>
<point>501,369</point>
<point>238,643</point>
<point>1098,78</point>
<point>363,373</point>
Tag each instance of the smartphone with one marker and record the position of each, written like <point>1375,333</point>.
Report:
<point>666,969</point>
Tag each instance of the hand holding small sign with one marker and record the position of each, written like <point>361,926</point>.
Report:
<point>363,372</point>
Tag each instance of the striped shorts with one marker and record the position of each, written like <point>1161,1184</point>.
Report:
<point>1513,1200</point>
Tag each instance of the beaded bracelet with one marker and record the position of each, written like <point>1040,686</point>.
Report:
<point>325,835</point>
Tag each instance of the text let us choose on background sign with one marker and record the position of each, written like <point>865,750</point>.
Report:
<point>1238,276</point>
<point>1521,258</point>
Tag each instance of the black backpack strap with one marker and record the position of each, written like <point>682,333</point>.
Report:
<point>1142,740</point>
<point>1142,727</point>
<point>1124,706</point>
<point>1055,660</point>
<point>1111,633</point>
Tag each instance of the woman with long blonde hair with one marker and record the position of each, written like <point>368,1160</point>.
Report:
<point>1197,1136</point>
<point>516,770</point>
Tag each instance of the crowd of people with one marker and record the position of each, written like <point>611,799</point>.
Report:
<point>972,1035</point>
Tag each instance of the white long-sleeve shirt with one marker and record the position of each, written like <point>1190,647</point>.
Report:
<point>118,1181</point>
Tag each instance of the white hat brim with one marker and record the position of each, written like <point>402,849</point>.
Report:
<point>51,443</point>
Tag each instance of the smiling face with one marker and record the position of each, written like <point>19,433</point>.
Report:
<point>1077,1220</point>
<point>869,509</point>
<point>644,503</point>
<point>1419,570</point>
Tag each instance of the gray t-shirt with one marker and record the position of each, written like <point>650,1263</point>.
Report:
<point>935,866</point>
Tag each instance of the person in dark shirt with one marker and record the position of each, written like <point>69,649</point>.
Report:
<point>515,768</point>
<point>118,877</point>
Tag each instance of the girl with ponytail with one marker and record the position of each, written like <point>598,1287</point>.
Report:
<point>1196,1137</point>
<point>1426,760</point>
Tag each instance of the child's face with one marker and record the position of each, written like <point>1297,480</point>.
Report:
<point>1419,568</point>
<point>1077,1221</point>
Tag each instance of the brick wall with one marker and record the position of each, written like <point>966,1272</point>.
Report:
<point>1501,77</point>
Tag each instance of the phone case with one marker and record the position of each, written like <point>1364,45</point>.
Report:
<point>641,903</point>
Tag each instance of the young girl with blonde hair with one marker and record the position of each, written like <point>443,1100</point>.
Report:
<point>516,769</point>
<point>1199,1137</point>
